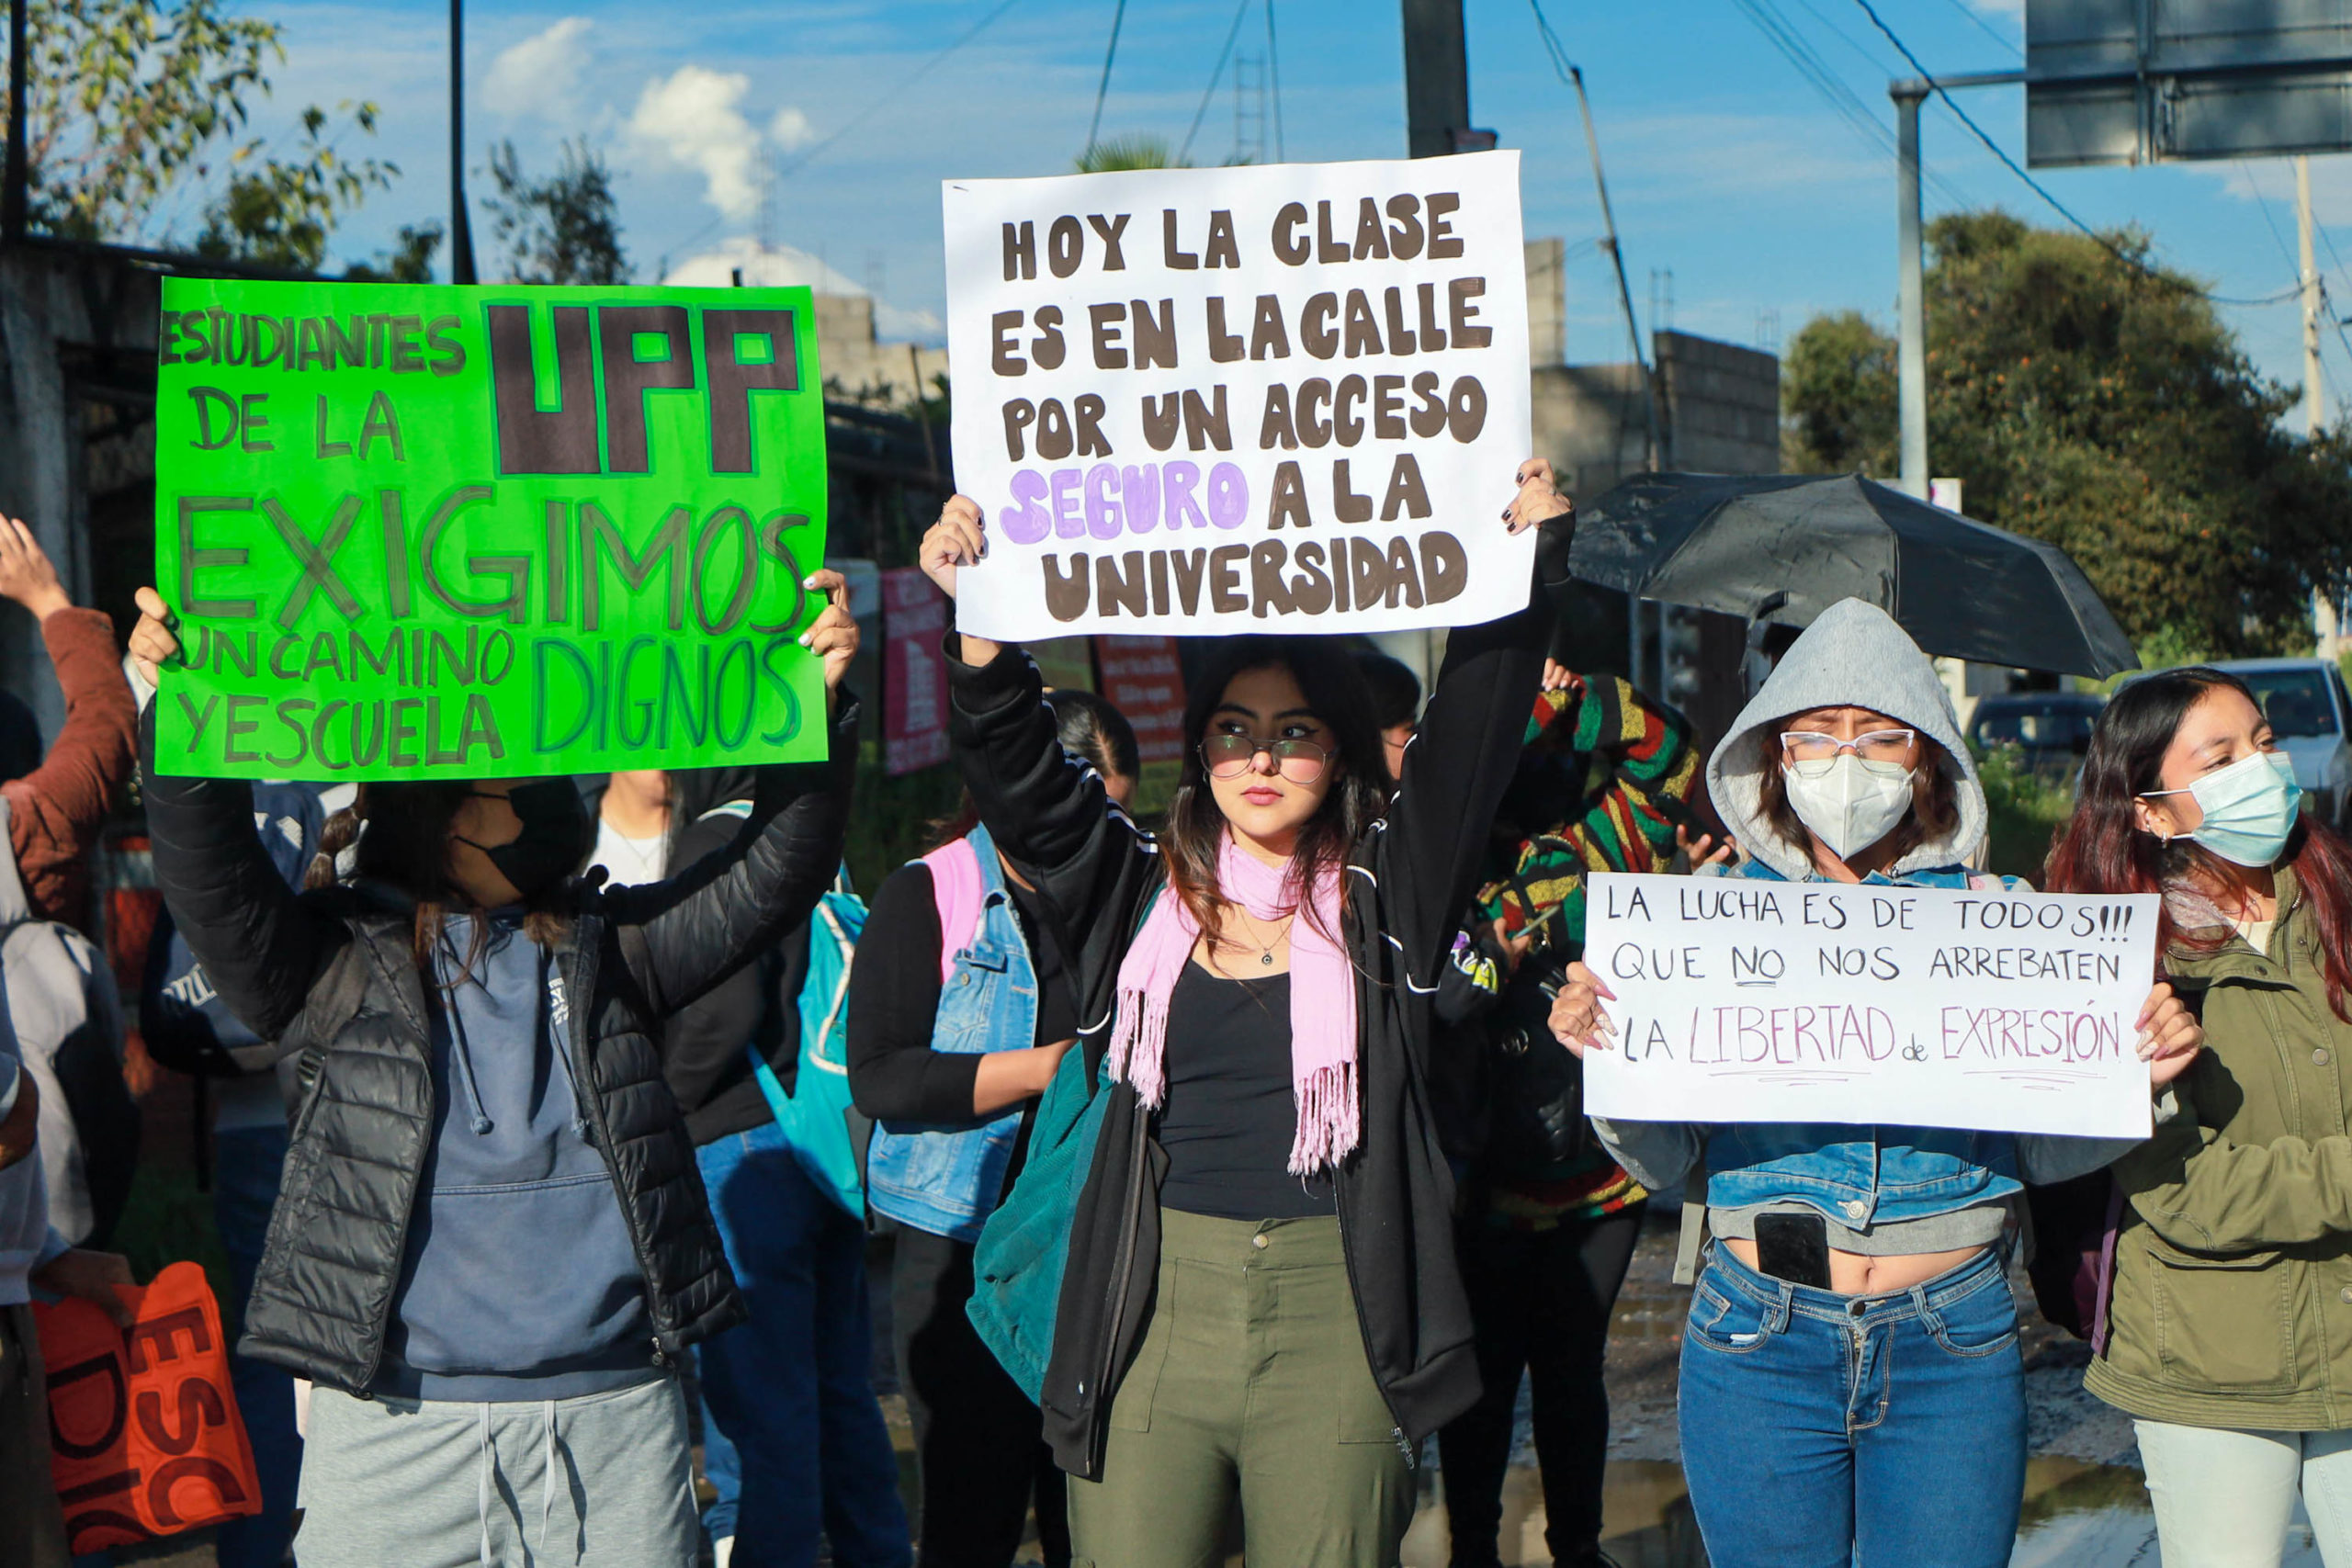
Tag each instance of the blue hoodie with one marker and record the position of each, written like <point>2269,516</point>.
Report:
<point>519,1282</point>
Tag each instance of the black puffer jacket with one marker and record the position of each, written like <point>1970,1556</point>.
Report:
<point>330,974</point>
<point>1412,874</point>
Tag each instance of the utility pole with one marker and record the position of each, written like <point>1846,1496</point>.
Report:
<point>2315,389</point>
<point>1437,77</point>
<point>1911,367</point>
<point>461,234</point>
<point>16,174</point>
<point>2326,622</point>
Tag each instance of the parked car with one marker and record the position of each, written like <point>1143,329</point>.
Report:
<point>2311,715</point>
<point>2051,730</point>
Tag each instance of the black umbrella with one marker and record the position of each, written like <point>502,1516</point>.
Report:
<point>1783,547</point>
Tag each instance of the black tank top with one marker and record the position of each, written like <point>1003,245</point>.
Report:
<point>1231,1117</point>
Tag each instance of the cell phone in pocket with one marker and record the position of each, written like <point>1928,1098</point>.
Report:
<point>1794,1247</point>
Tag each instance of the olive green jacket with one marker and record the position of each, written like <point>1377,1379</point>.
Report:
<point>2232,1292</point>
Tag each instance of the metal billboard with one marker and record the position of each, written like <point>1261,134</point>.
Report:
<point>2152,81</point>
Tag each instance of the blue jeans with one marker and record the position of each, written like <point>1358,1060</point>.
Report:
<point>246,1165</point>
<point>794,1440</point>
<point>1824,1431</point>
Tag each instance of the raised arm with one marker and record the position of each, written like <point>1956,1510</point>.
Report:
<point>56,810</point>
<point>1047,810</point>
<point>259,948</point>
<point>684,935</point>
<point>1468,744</point>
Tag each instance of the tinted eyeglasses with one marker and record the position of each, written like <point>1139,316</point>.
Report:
<point>1231,756</point>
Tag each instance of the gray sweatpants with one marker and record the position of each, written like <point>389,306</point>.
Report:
<point>604,1481</point>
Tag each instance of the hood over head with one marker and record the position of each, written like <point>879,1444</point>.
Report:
<point>1854,655</point>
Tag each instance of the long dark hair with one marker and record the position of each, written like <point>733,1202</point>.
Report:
<point>1087,726</point>
<point>406,847</point>
<point>2101,849</point>
<point>1335,689</point>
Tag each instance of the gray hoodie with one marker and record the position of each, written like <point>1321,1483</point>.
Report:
<point>1852,656</point>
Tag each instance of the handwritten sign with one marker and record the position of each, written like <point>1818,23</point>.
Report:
<point>1214,401</point>
<point>1745,1001</point>
<point>145,1436</point>
<point>462,533</point>
<point>914,672</point>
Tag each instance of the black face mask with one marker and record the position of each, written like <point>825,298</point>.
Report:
<point>556,836</point>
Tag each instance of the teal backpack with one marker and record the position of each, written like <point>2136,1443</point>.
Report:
<point>823,1127</point>
<point>827,1135</point>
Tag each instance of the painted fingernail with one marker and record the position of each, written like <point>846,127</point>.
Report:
<point>808,581</point>
<point>806,638</point>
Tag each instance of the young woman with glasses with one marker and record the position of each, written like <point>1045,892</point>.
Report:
<point>1260,1300</point>
<point>1851,1390</point>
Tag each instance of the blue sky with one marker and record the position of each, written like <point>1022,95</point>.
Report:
<point>1725,164</point>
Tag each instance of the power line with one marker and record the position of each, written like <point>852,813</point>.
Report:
<point>1987,28</point>
<point>892,100</point>
<point>1783,36</point>
<point>1216,76</point>
<point>2117,252</point>
<point>1094,126</point>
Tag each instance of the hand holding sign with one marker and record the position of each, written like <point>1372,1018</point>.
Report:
<point>1990,1008</point>
<point>2170,1035</point>
<point>834,637</point>
<point>80,1274</point>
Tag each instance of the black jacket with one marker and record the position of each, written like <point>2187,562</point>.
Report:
<point>703,1054</point>
<point>331,975</point>
<point>1410,875</point>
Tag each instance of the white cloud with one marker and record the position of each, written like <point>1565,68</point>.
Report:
<point>540,76</point>
<point>790,129</point>
<point>782,266</point>
<point>690,116</point>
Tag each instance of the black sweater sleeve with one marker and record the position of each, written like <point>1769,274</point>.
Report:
<point>703,1042</point>
<point>261,948</point>
<point>1460,762</point>
<point>894,1075</point>
<point>684,935</point>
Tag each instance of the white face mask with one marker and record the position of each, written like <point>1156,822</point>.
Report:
<point>1850,803</point>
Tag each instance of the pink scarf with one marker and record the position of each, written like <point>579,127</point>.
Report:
<point>1322,1002</point>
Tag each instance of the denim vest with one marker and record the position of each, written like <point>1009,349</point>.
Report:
<point>1861,1175</point>
<point>945,1178</point>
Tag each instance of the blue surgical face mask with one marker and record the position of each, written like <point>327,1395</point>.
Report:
<point>2249,809</point>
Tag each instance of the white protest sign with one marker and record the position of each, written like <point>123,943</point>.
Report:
<point>1742,1000</point>
<point>1257,399</point>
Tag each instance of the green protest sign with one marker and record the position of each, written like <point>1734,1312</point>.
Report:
<point>488,532</point>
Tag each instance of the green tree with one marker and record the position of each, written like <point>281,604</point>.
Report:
<point>136,105</point>
<point>409,261</point>
<point>565,229</point>
<point>1838,399</point>
<point>2088,398</point>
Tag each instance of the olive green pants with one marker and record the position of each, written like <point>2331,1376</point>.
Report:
<point>1251,1382</point>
